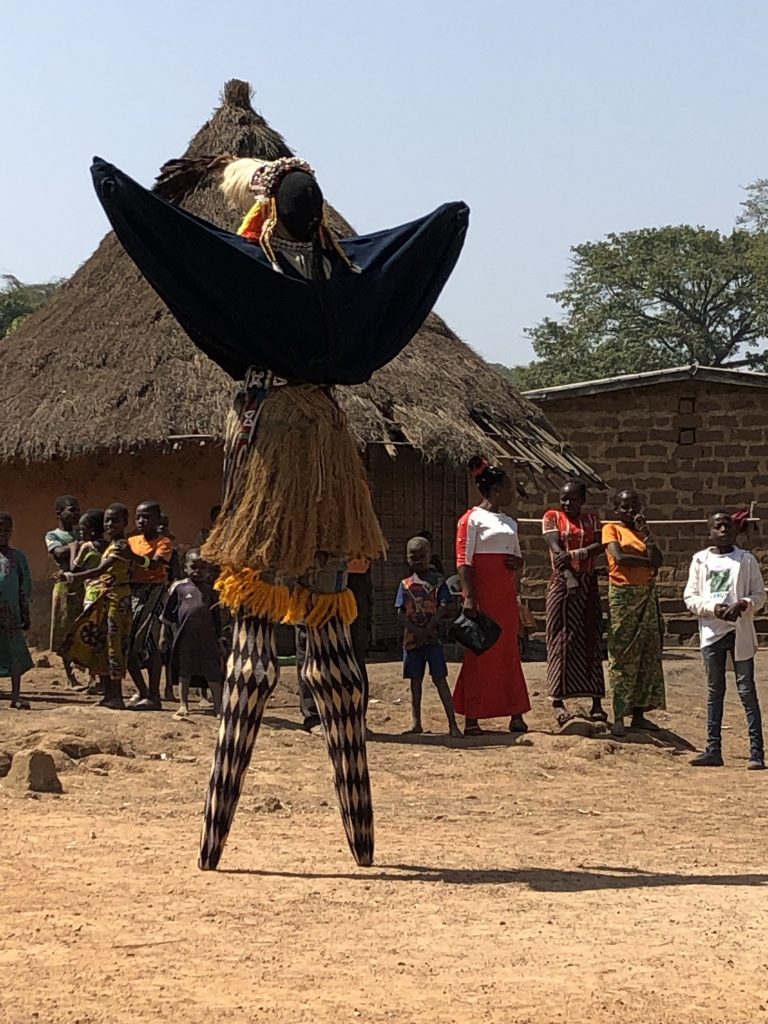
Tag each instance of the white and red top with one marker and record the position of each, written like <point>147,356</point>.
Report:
<point>481,532</point>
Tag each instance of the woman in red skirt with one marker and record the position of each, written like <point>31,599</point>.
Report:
<point>491,685</point>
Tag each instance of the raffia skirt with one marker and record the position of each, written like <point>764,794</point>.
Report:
<point>298,507</point>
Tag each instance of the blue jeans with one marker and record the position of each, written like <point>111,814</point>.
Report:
<point>715,657</point>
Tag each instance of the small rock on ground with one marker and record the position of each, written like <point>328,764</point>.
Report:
<point>34,771</point>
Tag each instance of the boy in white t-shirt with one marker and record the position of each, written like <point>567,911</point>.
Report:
<point>725,588</point>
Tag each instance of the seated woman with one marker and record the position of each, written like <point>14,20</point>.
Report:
<point>574,613</point>
<point>492,684</point>
<point>636,627</point>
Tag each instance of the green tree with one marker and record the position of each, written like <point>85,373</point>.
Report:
<point>18,300</point>
<point>515,374</point>
<point>655,298</point>
<point>754,213</point>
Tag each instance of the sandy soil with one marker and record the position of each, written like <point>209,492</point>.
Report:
<point>554,878</point>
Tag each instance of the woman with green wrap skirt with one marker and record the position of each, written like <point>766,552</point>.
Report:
<point>636,627</point>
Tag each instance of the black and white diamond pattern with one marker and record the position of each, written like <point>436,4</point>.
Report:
<point>253,670</point>
<point>336,684</point>
<point>252,673</point>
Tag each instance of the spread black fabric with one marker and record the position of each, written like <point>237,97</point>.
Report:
<point>240,312</point>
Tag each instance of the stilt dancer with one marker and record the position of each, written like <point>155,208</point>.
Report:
<point>291,314</point>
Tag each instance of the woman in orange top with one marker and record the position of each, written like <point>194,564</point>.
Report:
<point>636,627</point>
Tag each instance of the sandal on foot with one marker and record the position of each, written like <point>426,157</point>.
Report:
<point>518,725</point>
<point>644,724</point>
<point>598,716</point>
<point>473,730</point>
<point>562,716</point>
<point>145,704</point>
<point>19,704</point>
<point>113,703</point>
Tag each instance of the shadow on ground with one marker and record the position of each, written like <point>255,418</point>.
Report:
<point>587,879</point>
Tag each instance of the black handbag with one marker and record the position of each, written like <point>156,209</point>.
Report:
<point>477,634</point>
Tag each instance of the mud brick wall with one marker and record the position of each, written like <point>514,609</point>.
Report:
<point>688,447</point>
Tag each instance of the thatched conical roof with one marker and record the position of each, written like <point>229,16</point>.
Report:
<point>105,366</point>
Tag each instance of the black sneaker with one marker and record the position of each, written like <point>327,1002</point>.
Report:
<point>709,759</point>
<point>756,763</point>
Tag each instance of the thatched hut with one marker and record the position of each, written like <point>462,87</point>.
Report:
<point>112,401</point>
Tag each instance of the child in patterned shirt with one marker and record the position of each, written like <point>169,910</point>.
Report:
<point>421,601</point>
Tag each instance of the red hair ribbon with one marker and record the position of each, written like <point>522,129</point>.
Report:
<point>481,466</point>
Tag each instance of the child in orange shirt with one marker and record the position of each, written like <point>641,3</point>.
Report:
<point>152,553</point>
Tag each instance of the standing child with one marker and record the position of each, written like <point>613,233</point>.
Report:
<point>15,588</point>
<point>152,553</point>
<point>67,599</point>
<point>175,573</point>
<point>99,637</point>
<point>87,553</point>
<point>193,621</point>
<point>725,589</point>
<point>421,599</point>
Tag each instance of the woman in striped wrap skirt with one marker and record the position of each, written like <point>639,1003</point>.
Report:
<point>574,614</point>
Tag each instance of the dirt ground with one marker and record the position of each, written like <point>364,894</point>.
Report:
<point>553,878</point>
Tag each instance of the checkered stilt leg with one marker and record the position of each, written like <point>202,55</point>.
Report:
<point>334,678</point>
<point>252,674</point>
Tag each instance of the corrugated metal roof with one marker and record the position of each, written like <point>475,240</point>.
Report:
<point>716,374</point>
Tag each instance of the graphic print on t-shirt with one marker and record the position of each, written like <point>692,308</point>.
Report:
<point>719,582</point>
<point>420,597</point>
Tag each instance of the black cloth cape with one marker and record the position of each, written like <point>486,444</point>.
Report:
<point>241,312</point>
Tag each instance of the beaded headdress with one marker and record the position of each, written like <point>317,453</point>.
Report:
<point>261,220</point>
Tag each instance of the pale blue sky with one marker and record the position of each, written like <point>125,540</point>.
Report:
<point>556,121</point>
